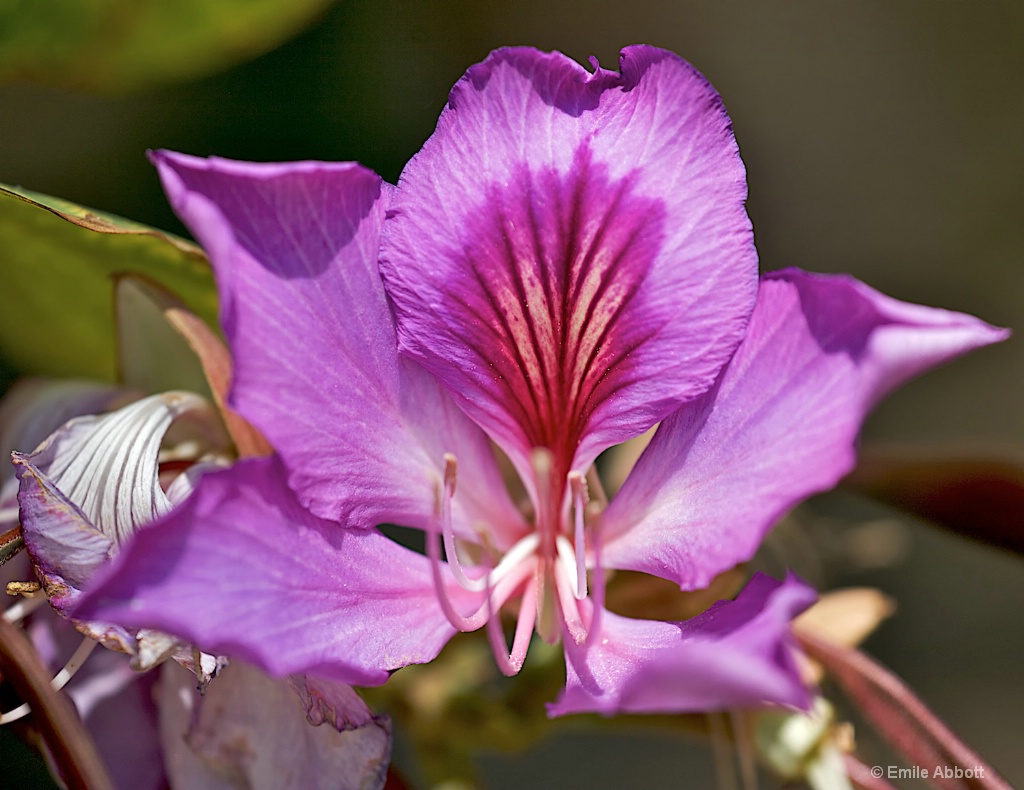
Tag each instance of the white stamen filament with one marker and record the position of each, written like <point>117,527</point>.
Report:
<point>74,663</point>
<point>23,608</point>
<point>515,555</point>
<point>59,681</point>
<point>501,584</point>
<point>523,569</point>
<point>578,486</point>
<point>568,602</point>
<point>567,559</point>
<point>19,712</point>
<point>511,663</point>
<point>594,629</point>
<point>448,531</point>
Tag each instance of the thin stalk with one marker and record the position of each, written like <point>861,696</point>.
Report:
<point>70,745</point>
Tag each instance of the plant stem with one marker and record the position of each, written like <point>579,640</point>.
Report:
<point>70,745</point>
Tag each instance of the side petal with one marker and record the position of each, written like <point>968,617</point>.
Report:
<point>362,433</point>
<point>242,569</point>
<point>780,425</point>
<point>249,730</point>
<point>569,253</point>
<point>737,654</point>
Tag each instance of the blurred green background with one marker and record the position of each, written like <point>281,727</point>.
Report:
<point>884,139</point>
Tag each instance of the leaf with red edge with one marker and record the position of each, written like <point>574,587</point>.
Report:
<point>56,282</point>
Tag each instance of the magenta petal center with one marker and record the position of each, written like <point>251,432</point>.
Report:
<point>547,267</point>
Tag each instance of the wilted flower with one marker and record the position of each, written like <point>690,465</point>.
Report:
<point>565,264</point>
<point>89,486</point>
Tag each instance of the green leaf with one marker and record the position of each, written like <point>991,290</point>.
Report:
<point>117,45</point>
<point>58,264</point>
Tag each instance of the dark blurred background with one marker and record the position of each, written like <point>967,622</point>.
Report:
<point>883,139</point>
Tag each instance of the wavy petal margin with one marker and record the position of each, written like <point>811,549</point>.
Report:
<point>569,253</point>
<point>737,654</point>
<point>361,432</point>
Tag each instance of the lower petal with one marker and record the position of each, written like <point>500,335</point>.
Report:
<point>112,700</point>
<point>241,568</point>
<point>252,728</point>
<point>737,654</point>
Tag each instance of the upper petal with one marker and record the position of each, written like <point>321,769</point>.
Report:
<point>569,252</point>
<point>362,433</point>
<point>241,568</point>
<point>737,654</point>
<point>779,426</point>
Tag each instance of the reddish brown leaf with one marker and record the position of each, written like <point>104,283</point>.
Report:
<point>980,498</point>
<point>900,716</point>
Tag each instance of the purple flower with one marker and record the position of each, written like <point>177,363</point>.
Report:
<point>565,264</point>
<point>93,482</point>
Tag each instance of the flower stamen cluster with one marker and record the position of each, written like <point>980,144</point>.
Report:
<point>544,572</point>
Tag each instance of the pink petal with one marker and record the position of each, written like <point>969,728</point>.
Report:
<point>66,549</point>
<point>737,654</point>
<point>362,433</point>
<point>780,425</point>
<point>569,252</point>
<point>249,730</point>
<point>112,700</point>
<point>242,569</point>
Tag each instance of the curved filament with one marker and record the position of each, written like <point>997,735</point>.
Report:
<point>565,582</point>
<point>578,485</point>
<point>59,681</point>
<point>512,662</point>
<point>448,531</point>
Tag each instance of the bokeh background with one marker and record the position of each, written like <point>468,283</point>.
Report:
<point>884,139</point>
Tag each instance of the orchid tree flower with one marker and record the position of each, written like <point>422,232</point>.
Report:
<point>91,484</point>
<point>564,265</point>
